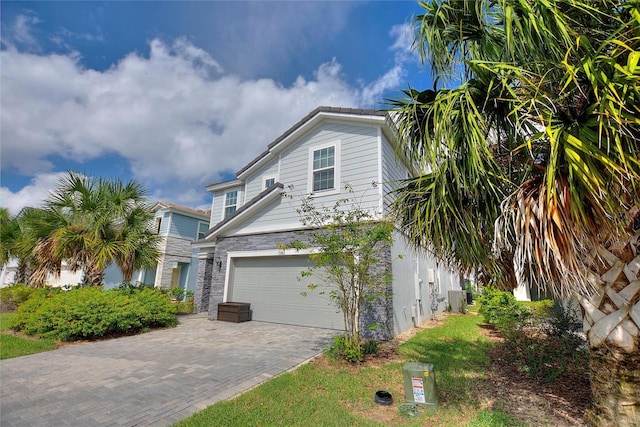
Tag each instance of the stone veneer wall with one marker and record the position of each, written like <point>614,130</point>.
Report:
<point>203,284</point>
<point>176,250</point>
<point>381,312</point>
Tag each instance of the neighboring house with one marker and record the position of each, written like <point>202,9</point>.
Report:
<point>239,259</point>
<point>179,226</point>
<point>8,273</point>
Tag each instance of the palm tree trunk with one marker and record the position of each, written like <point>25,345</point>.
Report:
<point>22,273</point>
<point>615,392</point>
<point>612,325</point>
<point>92,276</point>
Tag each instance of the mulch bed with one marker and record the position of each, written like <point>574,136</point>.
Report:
<point>561,403</point>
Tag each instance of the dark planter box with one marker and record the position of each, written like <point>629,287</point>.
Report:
<point>234,312</point>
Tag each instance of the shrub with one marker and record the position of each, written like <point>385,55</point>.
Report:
<point>501,309</point>
<point>345,349</point>
<point>184,307</point>
<point>542,342</point>
<point>370,347</point>
<point>551,347</point>
<point>14,295</point>
<point>541,309</point>
<point>89,313</point>
<point>130,288</point>
<point>180,294</point>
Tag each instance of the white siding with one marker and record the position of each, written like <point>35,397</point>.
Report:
<point>217,206</point>
<point>270,218</point>
<point>358,168</point>
<point>392,171</point>
<point>255,183</point>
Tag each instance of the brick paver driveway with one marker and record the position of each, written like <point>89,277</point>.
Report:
<point>153,379</point>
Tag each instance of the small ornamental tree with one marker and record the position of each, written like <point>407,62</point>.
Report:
<point>346,243</point>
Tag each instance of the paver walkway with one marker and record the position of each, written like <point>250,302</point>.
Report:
<point>153,379</point>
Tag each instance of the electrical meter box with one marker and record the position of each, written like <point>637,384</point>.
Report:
<point>420,384</point>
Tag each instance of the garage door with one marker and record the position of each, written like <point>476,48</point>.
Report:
<point>273,285</point>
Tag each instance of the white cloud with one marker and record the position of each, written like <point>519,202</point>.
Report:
<point>174,115</point>
<point>404,35</point>
<point>21,32</point>
<point>32,194</point>
<point>166,114</point>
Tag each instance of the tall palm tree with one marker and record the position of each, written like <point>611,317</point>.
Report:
<point>526,163</point>
<point>95,222</point>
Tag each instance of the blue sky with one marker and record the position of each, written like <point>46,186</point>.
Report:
<point>177,95</point>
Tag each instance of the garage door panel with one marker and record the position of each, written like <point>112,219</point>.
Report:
<point>273,286</point>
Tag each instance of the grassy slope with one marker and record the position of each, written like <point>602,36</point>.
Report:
<point>14,346</point>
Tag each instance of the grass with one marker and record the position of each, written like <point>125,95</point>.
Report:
<point>336,394</point>
<point>15,346</point>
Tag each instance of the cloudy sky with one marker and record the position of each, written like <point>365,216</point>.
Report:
<point>177,95</point>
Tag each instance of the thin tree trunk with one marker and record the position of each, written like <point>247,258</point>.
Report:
<point>612,325</point>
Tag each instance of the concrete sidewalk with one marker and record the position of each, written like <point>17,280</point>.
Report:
<point>153,379</point>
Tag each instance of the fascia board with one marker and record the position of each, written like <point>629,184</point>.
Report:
<point>223,185</point>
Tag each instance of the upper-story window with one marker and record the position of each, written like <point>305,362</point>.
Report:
<point>323,168</point>
<point>158,224</point>
<point>269,182</point>
<point>230,203</point>
<point>203,227</point>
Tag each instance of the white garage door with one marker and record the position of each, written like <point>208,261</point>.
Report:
<point>273,286</point>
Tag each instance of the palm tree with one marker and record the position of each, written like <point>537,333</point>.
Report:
<point>526,167</point>
<point>17,239</point>
<point>91,223</point>
<point>7,231</point>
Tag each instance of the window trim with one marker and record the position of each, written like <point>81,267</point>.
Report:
<point>336,169</point>
<point>266,178</point>
<point>198,232</point>
<point>225,206</point>
<point>157,224</point>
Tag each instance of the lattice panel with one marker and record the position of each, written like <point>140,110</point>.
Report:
<point>612,317</point>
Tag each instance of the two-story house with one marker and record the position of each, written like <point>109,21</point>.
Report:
<point>178,226</point>
<point>329,149</point>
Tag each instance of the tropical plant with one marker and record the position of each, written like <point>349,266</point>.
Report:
<point>348,250</point>
<point>526,163</point>
<point>17,239</point>
<point>89,223</point>
<point>9,234</point>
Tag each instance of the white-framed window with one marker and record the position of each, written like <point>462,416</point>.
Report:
<point>324,168</point>
<point>230,203</point>
<point>157,226</point>
<point>203,227</point>
<point>269,181</point>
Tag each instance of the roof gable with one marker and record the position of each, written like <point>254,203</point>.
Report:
<point>246,211</point>
<point>172,207</point>
<point>306,123</point>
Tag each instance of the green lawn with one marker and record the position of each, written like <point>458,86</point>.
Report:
<point>336,394</point>
<point>14,346</point>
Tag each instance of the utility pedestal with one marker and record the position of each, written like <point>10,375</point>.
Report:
<point>420,384</point>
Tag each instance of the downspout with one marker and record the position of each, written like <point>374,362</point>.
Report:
<point>418,294</point>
